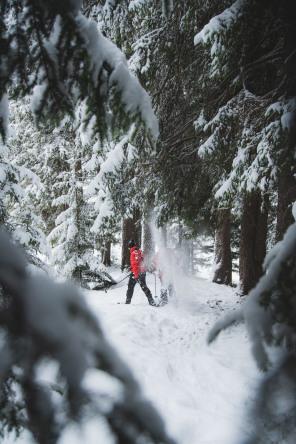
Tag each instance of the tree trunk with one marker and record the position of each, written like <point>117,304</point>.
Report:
<point>77,272</point>
<point>253,240</point>
<point>286,197</point>
<point>287,181</point>
<point>131,229</point>
<point>180,234</point>
<point>223,263</point>
<point>107,254</point>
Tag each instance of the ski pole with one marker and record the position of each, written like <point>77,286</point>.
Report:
<point>123,278</point>
<point>106,291</point>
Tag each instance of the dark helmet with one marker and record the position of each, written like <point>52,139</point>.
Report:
<point>131,243</point>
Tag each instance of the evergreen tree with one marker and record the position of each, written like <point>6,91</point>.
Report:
<point>25,218</point>
<point>40,60</point>
<point>162,54</point>
<point>95,72</point>
<point>269,312</point>
<point>246,76</point>
<point>52,50</point>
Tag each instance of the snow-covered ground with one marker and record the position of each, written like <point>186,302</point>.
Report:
<point>203,392</point>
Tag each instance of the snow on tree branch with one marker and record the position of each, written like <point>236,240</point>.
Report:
<point>63,58</point>
<point>220,22</point>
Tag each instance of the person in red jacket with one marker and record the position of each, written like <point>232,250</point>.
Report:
<point>138,274</point>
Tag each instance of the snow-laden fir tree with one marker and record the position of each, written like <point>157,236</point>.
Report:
<point>269,311</point>
<point>99,126</point>
<point>52,50</point>
<point>122,193</point>
<point>55,192</point>
<point>25,213</point>
<point>73,242</point>
<point>162,53</point>
<point>40,60</point>
<point>246,80</point>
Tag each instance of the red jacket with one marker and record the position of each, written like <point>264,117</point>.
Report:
<point>137,261</point>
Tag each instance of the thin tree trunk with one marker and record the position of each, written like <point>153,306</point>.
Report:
<point>180,234</point>
<point>253,240</point>
<point>223,263</point>
<point>77,272</point>
<point>107,254</point>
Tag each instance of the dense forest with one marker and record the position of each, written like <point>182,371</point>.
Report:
<point>118,114</point>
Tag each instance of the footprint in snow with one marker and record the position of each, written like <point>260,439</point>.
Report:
<point>167,327</point>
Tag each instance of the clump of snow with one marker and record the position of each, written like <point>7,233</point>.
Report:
<point>206,147</point>
<point>100,49</point>
<point>288,117</point>
<point>137,3</point>
<point>200,122</point>
<point>37,96</point>
<point>220,22</point>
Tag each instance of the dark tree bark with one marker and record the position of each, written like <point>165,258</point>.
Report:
<point>223,263</point>
<point>286,197</point>
<point>253,240</point>
<point>180,235</point>
<point>107,254</point>
<point>131,229</point>
<point>77,272</point>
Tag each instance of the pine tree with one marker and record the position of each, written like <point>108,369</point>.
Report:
<point>101,83</point>
<point>246,81</point>
<point>36,46</point>
<point>165,60</point>
<point>50,49</point>
<point>269,312</point>
<point>27,224</point>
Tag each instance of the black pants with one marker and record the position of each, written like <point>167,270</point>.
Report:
<point>131,285</point>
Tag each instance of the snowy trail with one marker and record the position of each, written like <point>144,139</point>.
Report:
<point>201,391</point>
